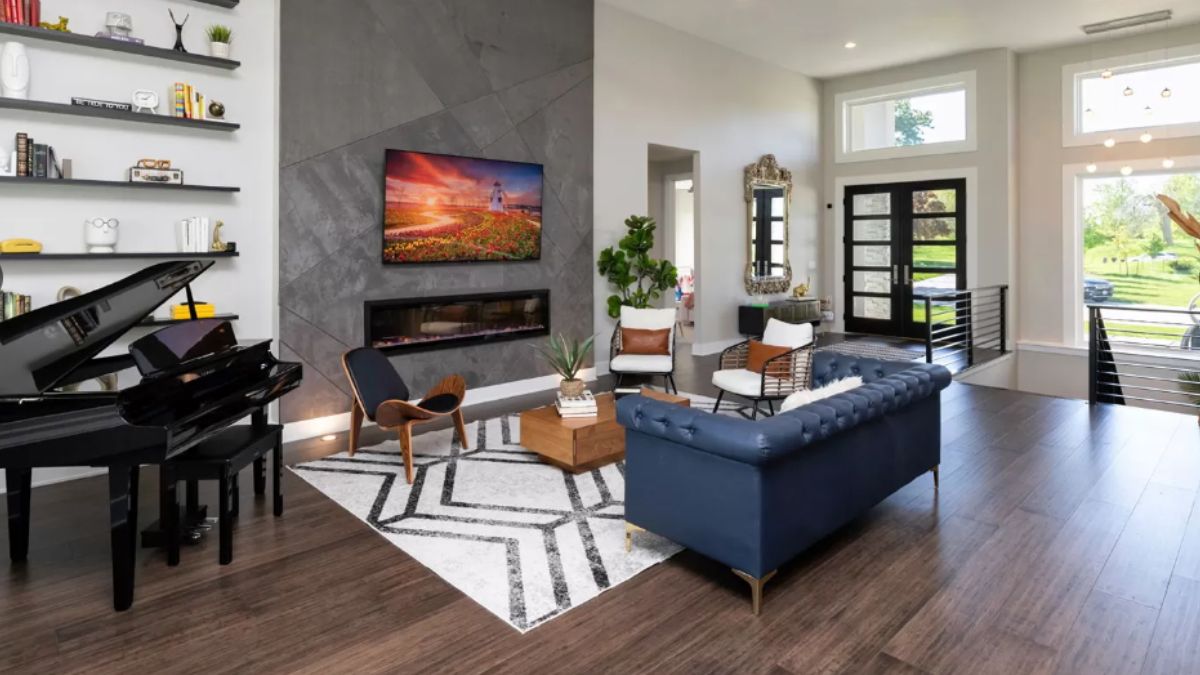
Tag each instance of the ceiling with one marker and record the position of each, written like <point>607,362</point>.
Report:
<point>807,36</point>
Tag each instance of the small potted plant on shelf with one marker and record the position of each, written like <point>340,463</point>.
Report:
<point>219,38</point>
<point>566,356</point>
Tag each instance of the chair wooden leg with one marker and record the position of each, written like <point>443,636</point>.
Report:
<point>356,422</point>
<point>461,425</point>
<point>405,432</point>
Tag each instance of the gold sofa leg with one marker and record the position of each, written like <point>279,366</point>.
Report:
<point>630,528</point>
<point>936,481</point>
<point>756,588</point>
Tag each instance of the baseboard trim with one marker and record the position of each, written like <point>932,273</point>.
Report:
<point>332,424</point>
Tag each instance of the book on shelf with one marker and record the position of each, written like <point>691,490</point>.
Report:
<point>14,304</point>
<point>22,153</point>
<point>195,235</point>
<point>24,12</point>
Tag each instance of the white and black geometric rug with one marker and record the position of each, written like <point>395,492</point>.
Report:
<point>524,539</point>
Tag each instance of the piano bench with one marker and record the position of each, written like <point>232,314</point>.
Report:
<point>221,458</point>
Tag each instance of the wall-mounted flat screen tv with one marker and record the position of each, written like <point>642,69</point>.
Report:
<point>444,208</point>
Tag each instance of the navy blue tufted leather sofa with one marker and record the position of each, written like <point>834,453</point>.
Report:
<point>754,494</point>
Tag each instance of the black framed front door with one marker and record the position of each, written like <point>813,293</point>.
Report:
<point>902,242</point>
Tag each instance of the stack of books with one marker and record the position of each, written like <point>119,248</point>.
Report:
<point>577,406</point>
<point>24,12</point>
<point>14,304</point>
<point>204,310</point>
<point>194,235</point>
<point>189,103</point>
<point>35,160</point>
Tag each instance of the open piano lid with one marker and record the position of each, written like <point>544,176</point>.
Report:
<point>41,349</point>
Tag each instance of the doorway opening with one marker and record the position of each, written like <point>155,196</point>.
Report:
<point>902,242</point>
<point>672,192</point>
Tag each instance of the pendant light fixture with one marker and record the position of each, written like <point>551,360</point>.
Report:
<point>1165,93</point>
<point>1126,170</point>
<point>1110,142</point>
<point>1168,163</point>
<point>1146,137</point>
<point>1091,168</point>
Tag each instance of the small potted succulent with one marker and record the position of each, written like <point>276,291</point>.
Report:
<point>219,38</point>
<point>566,356</point>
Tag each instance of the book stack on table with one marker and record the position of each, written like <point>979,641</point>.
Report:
<point>577,406</point>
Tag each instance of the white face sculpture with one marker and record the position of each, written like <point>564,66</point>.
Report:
<point>100,234</point>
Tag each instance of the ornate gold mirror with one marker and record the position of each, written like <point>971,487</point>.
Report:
<point>768,188</point>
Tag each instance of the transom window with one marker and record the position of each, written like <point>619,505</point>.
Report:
<point>912,118</point>
<point>1124,98</point>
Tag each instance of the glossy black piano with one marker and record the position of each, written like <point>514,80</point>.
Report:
<point>196,380</point>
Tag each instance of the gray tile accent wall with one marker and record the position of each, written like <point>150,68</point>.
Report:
<point>504,79</point>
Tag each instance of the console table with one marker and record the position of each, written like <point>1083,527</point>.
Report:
<point>752,319</point>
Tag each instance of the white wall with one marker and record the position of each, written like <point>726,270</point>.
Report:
<point>101,149</point>
<point>1050,361</point>
<point>657,85</point>
<point>991,206</point>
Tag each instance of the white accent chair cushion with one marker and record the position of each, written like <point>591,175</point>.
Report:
<point>739,381</point>
<point>783,334</point>
<point>640,363</point>
<point>806,396</point>
<point>647,319</point>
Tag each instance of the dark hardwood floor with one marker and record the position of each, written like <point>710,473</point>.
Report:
<point>1064,539</point>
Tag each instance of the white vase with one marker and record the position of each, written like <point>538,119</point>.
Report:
<point>219,50</point>
<point>14,70</point>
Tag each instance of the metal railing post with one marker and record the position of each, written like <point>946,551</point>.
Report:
<point>928,330</point>
<point>1004,319</point>
<point>1093,352</point>
<point>970,328</point>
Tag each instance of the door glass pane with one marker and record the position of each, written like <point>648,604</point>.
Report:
<point>872,308</point>
<point>872,256</point>
<point>943,257</point>
<point>777,231</point>
<point>934,229</point>
<point>872,230</point>
<point>873,282</point>
<point>872,205</point>
<point>777,254</point>
<point>924,282</point>
<point>776,207</point>
<point>943,313</point>
<point>935,201</point>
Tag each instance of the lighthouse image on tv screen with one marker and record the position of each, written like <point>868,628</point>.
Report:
<point>443,208</point>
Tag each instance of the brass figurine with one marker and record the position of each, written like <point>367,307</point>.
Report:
<point>218,246</point>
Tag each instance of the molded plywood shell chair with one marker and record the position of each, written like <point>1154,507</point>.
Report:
<point>381,396</point>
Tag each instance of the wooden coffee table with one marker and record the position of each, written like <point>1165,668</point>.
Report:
<point>578,444</point>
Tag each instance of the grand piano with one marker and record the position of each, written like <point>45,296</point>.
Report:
<point>196,381</point>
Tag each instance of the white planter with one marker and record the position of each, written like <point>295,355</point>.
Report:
<point>14,70</point>
<point>219,49</point>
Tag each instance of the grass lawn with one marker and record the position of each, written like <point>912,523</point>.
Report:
<point>1152,283</point>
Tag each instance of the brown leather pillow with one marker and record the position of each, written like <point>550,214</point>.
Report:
<point>759,353</point>
<point>646,342</point>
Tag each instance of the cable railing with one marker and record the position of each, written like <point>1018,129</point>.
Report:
<point>1144,356</point>
<point>965,328</point>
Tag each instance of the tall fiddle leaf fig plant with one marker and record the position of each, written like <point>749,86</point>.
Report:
<point>637,278</point>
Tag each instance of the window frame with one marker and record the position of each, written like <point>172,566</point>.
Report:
<point>965,81</point>
<point>1072,93</point>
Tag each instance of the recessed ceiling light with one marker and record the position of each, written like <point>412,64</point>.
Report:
<point>1106,73</point>
<point>329,437</point>
<point>1168,163</point>
<point>1110,142</point>
<point>1165,93</point>
<point>1091,168</point>
<point>1126,170</point>
<point>1146,137</point>
<point>851,45</point>
<point>1128,91</point>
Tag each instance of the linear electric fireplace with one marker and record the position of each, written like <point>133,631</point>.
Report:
<point>419,324</point>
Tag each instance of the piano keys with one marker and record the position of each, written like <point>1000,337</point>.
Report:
<point>196,380</point>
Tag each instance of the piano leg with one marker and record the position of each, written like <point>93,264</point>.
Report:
<point>277,474</point>
<point>168,511</point>
<point>122,519</point>
<point>19,483</point>
<point>225,519</point>
<point>235,496</point>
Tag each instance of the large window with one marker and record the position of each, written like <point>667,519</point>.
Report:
<point>913,118</point>
<point>1133,254</point>
<point>1125,98</point>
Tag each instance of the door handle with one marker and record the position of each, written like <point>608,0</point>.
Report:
<point>907,276</point>
<point>895,274</point>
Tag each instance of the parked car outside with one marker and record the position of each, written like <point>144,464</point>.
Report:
<point>1096,289</point>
